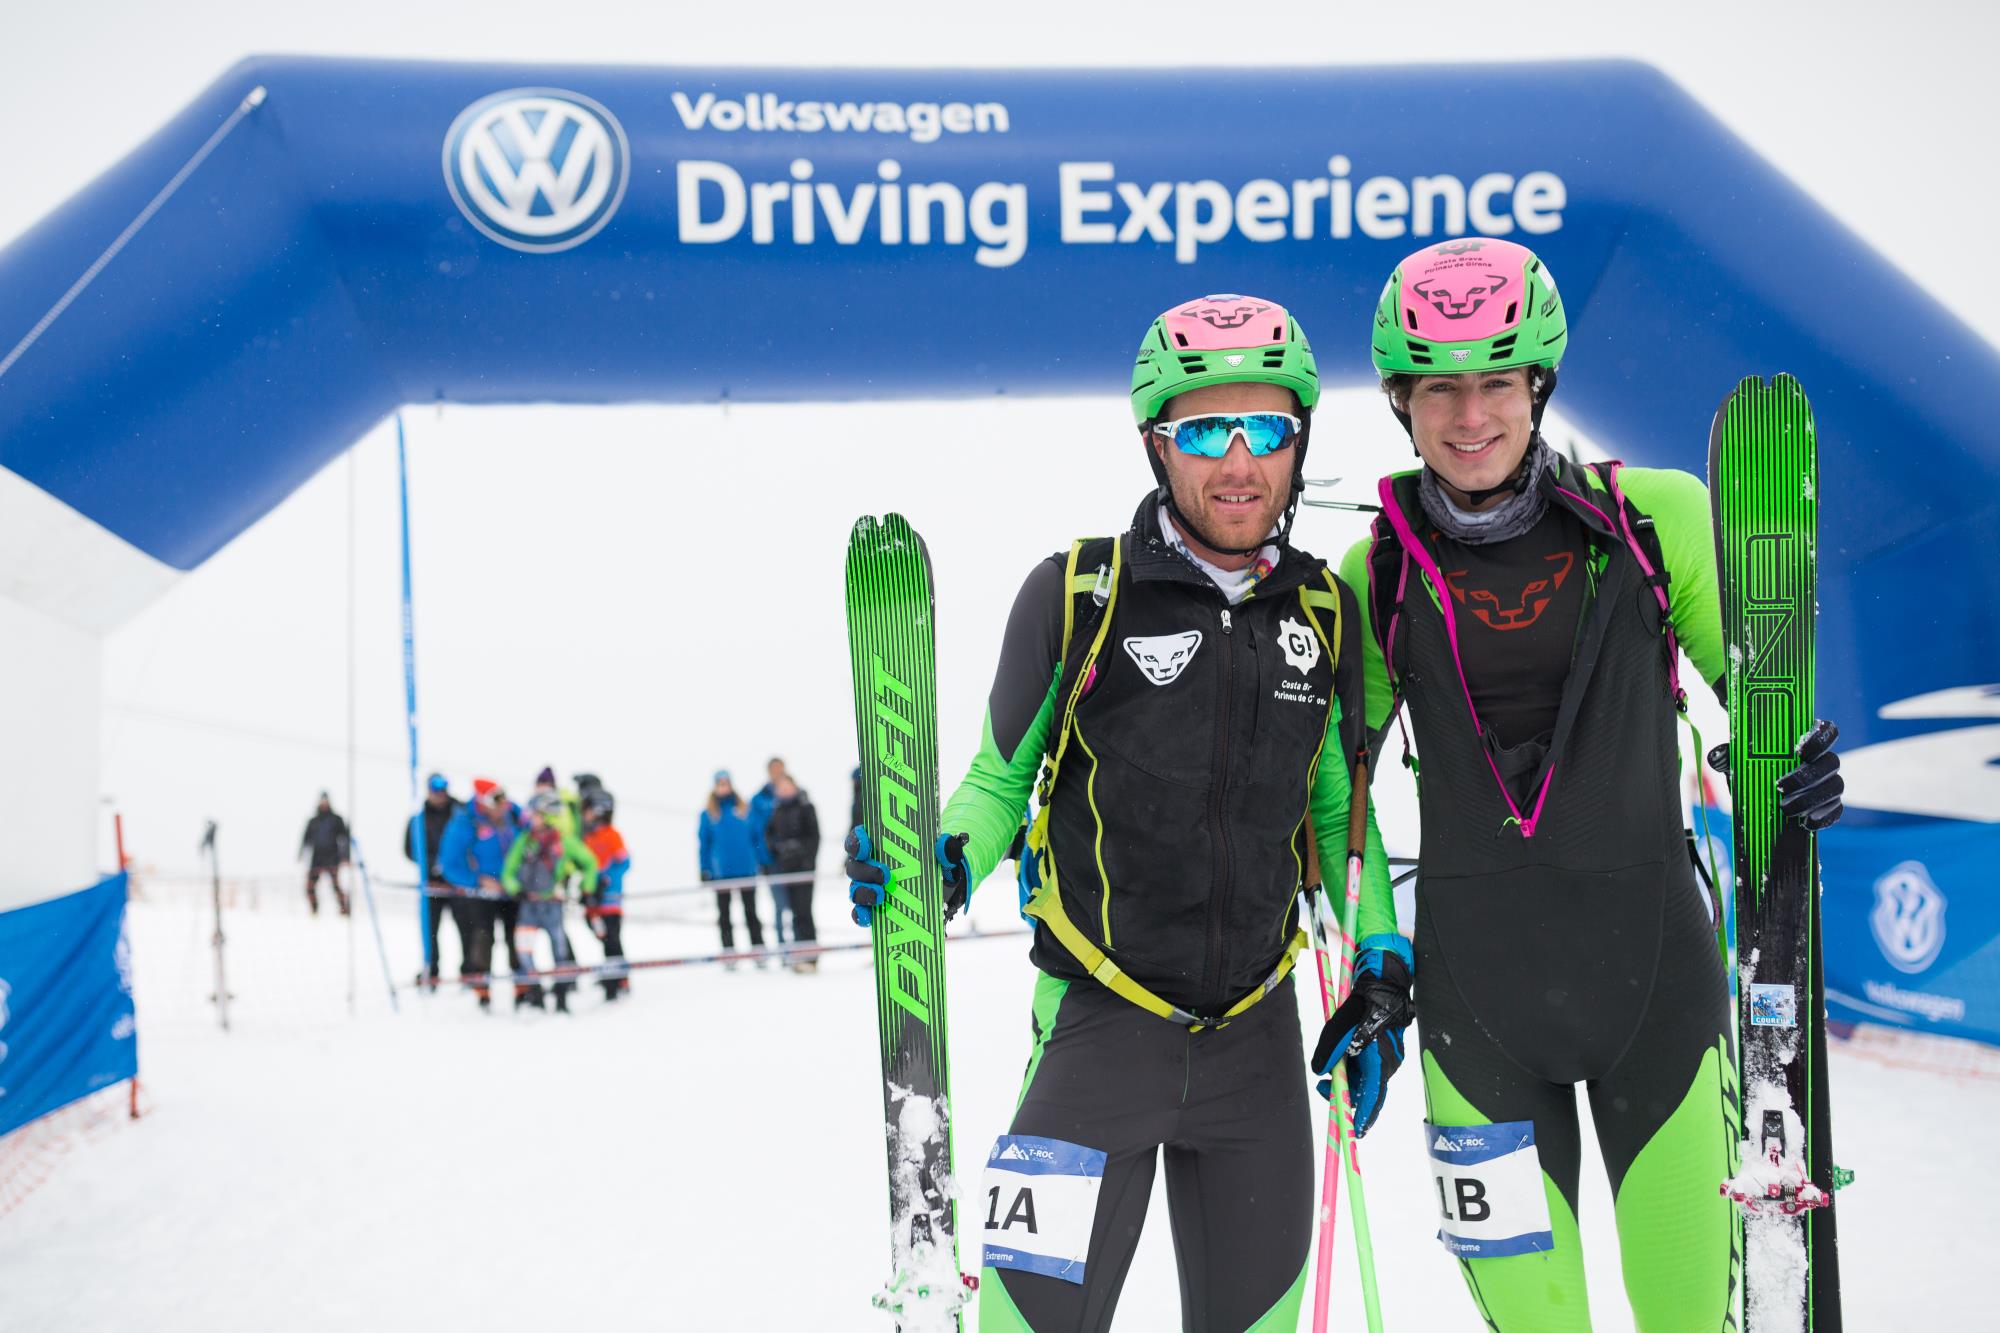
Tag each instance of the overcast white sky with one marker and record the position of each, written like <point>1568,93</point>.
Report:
<point>228,698</point>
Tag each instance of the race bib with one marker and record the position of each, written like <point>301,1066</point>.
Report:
<point>1489,1189</point>
<point>1041,1203</point>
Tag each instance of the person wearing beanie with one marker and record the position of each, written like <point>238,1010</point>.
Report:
<point>728,849</point>
<point>327,840</point>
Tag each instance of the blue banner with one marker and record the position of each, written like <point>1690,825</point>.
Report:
<point>1912,928</point>
<point>67,1025</point>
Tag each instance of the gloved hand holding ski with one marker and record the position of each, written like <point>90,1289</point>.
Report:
<point>869,881</point>
<point>1811,793</point>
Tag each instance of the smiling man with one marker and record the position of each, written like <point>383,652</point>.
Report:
<point>1530,613</point>
<point>1194,687</point>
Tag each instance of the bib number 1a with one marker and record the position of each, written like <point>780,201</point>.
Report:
<point>1490,1197</point>
<point>1041,1205</point>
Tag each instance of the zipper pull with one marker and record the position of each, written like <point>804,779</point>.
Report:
<point>1225,620</point>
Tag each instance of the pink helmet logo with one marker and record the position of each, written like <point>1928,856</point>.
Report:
<point>1464,291</point>
<point>1460,298</point>
<point>1225,323</point>
<point>1234,315</point>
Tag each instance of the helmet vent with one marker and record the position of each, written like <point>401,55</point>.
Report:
<point>1193,363</point>
<point>1513,309</point>
<point>1505,344</point>
<point>1410,318</point>
<point>1181,338</point>
<point>1274,358</point>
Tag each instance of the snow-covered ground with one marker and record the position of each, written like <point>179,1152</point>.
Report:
<point>704,1156</point>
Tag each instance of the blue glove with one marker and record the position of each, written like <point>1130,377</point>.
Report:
<point>1811,792</point>
<point>1367,1029</point>
<point>869,881</point>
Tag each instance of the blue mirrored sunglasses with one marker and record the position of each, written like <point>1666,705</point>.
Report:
<point>1209,435</point>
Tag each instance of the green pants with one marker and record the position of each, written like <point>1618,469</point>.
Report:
<point>1620,989</point>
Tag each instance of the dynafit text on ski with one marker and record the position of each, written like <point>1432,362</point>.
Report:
<point>891,639</point>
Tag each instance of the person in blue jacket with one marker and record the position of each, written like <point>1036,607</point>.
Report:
<point>472,854</point>
<point>730,850</point>
<point>761,806</point>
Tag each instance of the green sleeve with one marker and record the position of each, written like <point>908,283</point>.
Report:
<point>581,859</point>
<point>992,798</point>
<point>510,873</point>
<point>1332,790</point>
<point>1374,672</point>
<point>1677,502</point>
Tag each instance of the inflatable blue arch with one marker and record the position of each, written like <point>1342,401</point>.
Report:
<point>313,243</point>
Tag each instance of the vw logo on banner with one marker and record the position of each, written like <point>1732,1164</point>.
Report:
<point>537,169</point>
<point>1908,919</point>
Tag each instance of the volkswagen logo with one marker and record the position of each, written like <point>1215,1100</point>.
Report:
<point>1908,919</point>
<point>537,169</point>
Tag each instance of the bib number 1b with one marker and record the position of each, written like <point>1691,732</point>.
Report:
<point>1489,1189</point>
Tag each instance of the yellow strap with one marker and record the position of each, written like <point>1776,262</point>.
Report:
<point>1325,601</point>
<point>1089,659</point>
<point>1046,907</point>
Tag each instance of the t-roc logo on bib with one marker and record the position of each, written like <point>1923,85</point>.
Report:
<point>1164,656</point>
<point>1908,919</point>
<point>537,169</point>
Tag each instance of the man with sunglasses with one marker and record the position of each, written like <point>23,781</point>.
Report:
<point>1181,683</point>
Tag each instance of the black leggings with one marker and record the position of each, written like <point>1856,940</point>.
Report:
<point>1228,1110</point>
<point>1529,986</point>
<point>749,918</point>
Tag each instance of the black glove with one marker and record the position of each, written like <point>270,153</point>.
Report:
<point>1811,792</point>
<point>957,874</point>
<point>1367,1029</point>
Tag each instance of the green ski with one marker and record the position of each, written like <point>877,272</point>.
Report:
<point>1764,485</point>
<point>893,648</point>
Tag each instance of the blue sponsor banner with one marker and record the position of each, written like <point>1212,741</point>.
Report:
<point>1912,927</point>
<point>67,1025</point>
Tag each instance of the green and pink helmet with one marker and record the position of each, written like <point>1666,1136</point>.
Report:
<point>1468,305</point>
<point>1225,339</point>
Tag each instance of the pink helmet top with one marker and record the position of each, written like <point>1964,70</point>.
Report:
<point>1225,323</point>
<point>1464,290</point>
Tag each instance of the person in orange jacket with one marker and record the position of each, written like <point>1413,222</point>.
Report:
<point>604,903</point>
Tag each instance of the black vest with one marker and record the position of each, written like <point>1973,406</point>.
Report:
<point>1178,813</point>
<point>1611,767</point>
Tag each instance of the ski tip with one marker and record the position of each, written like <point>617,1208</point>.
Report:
<point>889,528</point>
<point>1784,383</point>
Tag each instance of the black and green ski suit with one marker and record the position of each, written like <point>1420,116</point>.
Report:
<point>1562,936</point>
<point>1201,737</point>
